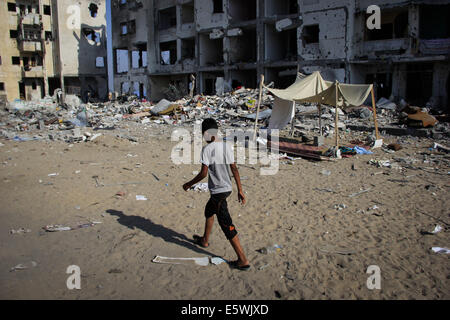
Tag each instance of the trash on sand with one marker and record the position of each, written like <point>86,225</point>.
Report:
<point>204,261</point>
<point>53,174</point>
<point>377,144</point>
<point>341,206</point>
<point>358,193</point>
<point>200,187</point>
<point>437,229</point>
<point>155,176</point>
<point>58,227</point>
<point>21,230</point>
<point>440,147</point>
<point>115,271</point>
<point>440,250</point>
<point>23,266</point>
<point>141,198</point>
<point>270,249</point>
<point>326,172</point>
<point>120,194</point>
<point>263,266</point>
<point>380,163</point>
<point>332,249</point>
<point>217,260</point>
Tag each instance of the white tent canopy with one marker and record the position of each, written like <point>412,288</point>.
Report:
<point>314,89</point>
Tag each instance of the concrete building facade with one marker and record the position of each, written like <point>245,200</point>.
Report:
<point>51,44</point>
<point>230,43</point>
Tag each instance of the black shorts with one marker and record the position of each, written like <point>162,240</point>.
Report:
<point>217,205</point>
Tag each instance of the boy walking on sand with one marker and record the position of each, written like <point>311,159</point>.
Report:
<point>215,159</point>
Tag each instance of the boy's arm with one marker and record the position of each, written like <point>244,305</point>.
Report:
<point>202,175</point>
<point>234,169</point>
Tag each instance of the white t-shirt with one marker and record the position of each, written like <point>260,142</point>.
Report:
<point>218,156</point>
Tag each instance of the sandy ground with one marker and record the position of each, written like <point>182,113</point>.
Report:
<point>291,209</point>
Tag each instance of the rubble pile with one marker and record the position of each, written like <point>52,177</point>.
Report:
<point>74,121</point>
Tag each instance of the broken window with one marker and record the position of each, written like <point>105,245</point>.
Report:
<point>11,7</point>
<point>123,28</point>
<point>382,83</point>
<point>167,18</point>
<point>136,59</point>
<point>242,10</point>
<point>188,48</point>
<point>419,83</point>
<point>394,25</point>
<point>434,22</point>
<point>33,85</point>
<point>91,35</point>
<point>93,9</point>
<point>100,62</point>
<point>210,51</point>
<point>48,36</point>
<point>13,34</point>
<point>15,60</point>
<point>47,10</point>
<point>121,60</point>
<point>311,34</point>
<point>244,48</point>
<point>132,26</point>
<point>125,87</point>
<point>276,7</point>
<point>168,52</point>
<point>280,45</point>
<point>187,13</point>
<point>2,86</point>
<point>218,6</point>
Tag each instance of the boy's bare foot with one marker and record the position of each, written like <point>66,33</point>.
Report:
<point>200,241</point>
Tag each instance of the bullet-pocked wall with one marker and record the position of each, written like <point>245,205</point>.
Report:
<point>82,47</point>
<point>240,40</point>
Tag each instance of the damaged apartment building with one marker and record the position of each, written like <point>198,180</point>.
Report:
<point>159,45</point>
<point>49,44</point>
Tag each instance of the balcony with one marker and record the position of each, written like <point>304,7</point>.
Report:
<point>31,19</point>
<point>33,72</point>
<point>30,46</point>
<point>385,47</point>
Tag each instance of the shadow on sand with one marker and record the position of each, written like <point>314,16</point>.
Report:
<point>157,230</point>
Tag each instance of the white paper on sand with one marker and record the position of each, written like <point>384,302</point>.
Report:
<point>440,250</point>
<point>141,198</point>
<point>437,229</point>
<point>378,144</point>
<point>204,261</point>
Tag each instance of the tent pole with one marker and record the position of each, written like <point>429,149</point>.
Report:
<point>336,129</point>
<point>374,107</point>
<point>320,118</point>
<point>293,122</point>
<point>259,104</point>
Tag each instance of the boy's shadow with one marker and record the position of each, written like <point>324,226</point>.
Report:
<point>157,230</point>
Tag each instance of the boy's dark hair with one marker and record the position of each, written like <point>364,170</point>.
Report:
<point>209,123</point>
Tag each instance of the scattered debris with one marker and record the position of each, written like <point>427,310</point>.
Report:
<point>58,227</point>
<point>270,249</point>
<point>21,230</point>
<point>23,266</point>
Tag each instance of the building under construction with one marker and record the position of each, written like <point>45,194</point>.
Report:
<point>159,44</point>
<point>49,44</point>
